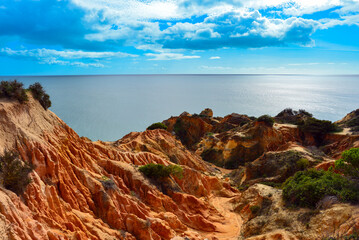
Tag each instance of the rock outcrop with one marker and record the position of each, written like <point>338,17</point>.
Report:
<point>273,220</point>
<point>190,129</point>
<point>234,148</point>
<point>350,121</point>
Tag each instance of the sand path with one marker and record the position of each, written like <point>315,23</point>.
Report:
<point>231,227</point>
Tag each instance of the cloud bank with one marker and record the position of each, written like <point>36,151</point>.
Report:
<point>68,30</point>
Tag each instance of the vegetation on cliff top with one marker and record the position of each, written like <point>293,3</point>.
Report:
<point>39,94</point>
<point>15,90</point>
<point>14,172</point>
<point>268,120</point>
<point>157,125</point>
<point>316,126</point>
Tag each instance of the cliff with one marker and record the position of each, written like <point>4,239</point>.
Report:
<point>94,190</point>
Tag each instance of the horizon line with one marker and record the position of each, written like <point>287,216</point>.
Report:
<point>182,74</point>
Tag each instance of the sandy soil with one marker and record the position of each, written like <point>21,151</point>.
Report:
<point>346,131</point>
<point>231,227</point>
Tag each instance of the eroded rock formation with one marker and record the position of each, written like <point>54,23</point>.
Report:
<point>93,190</point>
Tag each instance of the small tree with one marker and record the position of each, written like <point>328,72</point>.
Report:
<point>39,94</point>
<point>13,90</point>
<point>349,163</point>
<point>14,172</point>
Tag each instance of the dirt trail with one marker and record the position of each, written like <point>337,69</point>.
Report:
<point>231,227</point>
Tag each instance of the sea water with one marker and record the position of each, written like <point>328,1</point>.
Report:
<point>107,107</point>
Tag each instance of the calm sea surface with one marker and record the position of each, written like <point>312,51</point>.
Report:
<point>108,107</point>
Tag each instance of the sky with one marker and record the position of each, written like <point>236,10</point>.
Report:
<point>77,37</point>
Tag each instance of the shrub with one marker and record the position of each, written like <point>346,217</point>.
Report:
<point>157,125</point>
<point>316,126</point>
<point>302,164</point>
<point>286,112</point>
<point>13,90</point>
<point>303,112</point>
<point>268,120</point>
<point>14,172</point>
<point>160,171</point>
<point>349,163</point>
<point>39,94</point>
<point>307,188</point>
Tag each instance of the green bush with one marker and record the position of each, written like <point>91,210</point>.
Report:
<point>316,126</point>
<point>157,125</point>
<point>307,188</point>
<point>39,94</point>
<point>160,171</point>
<point>302,164</point>
<point>14,172</point>
<point>349,163</point>
<point>13,90</point>
<point>268,120</point>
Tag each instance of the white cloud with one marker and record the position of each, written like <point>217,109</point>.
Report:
<point>169,56</point>
<point>53,61</point>
<point>156,25</point>
<point>68,54</point>
<point>142,23</point>
<point>129,10</point>
<point>294,7</point>
<point>215,57</point>
<point>51,56</point>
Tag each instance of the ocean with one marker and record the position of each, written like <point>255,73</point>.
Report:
<point>107,107</point>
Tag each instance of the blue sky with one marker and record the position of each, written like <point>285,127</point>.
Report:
<point>60,37</point>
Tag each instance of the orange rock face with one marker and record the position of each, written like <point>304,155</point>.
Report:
<point>93,190</point>
<point>190,129</point>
